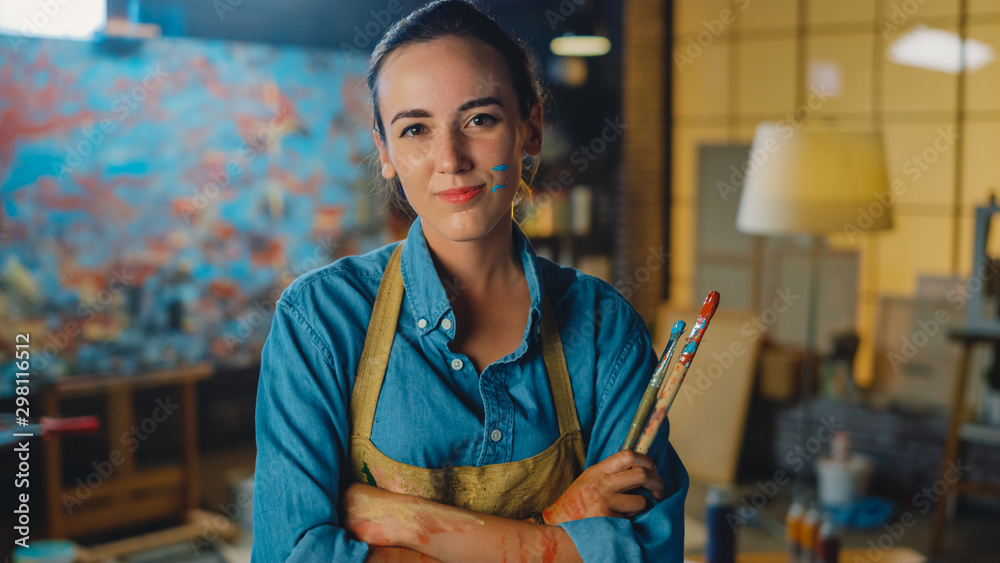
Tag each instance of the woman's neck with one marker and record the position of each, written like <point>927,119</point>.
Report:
<point>479,268</point>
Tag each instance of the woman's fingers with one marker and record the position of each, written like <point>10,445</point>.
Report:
<point>627,459</point>
<point>627,505</point>
<point>608,488</point>
<point>630,479</point>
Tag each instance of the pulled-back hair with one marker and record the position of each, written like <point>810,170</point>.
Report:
<point>456,18</point>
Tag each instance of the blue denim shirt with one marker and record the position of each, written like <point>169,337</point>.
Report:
<point>435,410</point>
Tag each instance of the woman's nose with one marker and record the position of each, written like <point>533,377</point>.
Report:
<point>451,153</point>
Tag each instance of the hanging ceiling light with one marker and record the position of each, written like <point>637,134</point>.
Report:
<point>570,45</point>
<point>937,49</point>
<point>584,36</point>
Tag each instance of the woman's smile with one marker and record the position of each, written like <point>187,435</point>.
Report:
<point>461,195</point>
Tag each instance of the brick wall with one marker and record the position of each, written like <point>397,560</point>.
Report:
<point>644,172</point>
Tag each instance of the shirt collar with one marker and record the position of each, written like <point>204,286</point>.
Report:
<point>426,293</point>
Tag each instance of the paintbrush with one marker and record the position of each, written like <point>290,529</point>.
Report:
<point>649,397</point>
<point>669,390</point>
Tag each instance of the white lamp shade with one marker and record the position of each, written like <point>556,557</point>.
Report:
<point>814,180</point>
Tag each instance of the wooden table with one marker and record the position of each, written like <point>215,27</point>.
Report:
<point>895,555</point>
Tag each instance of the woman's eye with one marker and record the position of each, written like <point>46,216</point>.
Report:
<point>483,119</point>
<point>415,128</point>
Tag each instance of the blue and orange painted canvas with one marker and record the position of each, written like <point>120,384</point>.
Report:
<point>155,204</point>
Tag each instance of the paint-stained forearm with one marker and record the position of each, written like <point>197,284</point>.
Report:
<point>382,519</point>
<point>397,555</point>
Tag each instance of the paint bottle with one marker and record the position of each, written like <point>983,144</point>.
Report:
<point>720,519</point>
<point>793,526</point>
<point>809,533</point>
<point>828,545</point>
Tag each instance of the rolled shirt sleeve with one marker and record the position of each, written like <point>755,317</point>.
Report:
<point>302,436</point>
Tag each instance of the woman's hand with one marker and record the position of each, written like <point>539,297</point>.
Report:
<point>373,515</point>
<point>367,514</point>
<point>600,489</point>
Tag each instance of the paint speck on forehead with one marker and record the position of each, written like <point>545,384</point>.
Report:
<point>498,186</point>
<point>501,167</point>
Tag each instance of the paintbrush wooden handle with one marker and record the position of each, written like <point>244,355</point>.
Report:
<point>672,385</point>
<point>649,397</point>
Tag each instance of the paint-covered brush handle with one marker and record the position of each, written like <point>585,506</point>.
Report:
<point>649,397</point>
<point>670,387</point>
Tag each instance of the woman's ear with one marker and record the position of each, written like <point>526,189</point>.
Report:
<point>388,170</point>
<point>533,142</point>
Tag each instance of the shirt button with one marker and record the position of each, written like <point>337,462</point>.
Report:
<point>422,323</point>
<point>457,364</point>
<point>446,324</point>
<point>496,435</point>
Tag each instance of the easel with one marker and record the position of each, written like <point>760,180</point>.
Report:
<point>968,340</point>
<point>129,495</point>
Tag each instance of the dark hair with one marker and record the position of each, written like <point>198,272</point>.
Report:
<point>456,18</point>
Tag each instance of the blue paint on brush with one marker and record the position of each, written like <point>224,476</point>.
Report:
<point>498,186</point>
<point>501,167</point>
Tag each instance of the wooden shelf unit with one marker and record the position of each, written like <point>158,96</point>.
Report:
<point>130,495</point>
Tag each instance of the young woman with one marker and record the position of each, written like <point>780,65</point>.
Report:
<point>453,396</point>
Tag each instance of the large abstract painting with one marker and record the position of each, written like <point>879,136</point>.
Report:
<point>157,199</point>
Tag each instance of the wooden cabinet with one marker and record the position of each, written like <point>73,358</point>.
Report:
<point>113,487</point>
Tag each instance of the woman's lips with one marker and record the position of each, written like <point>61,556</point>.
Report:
<point>461,195</point>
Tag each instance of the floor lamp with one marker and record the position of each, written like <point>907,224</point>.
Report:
<point>813,180</point>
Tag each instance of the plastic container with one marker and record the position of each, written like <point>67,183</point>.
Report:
<point>828,545</point>
<point>842,483</point>
<point>719,516</point>
<point>793,526</point>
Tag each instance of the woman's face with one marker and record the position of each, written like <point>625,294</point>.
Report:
<point>454,134</point>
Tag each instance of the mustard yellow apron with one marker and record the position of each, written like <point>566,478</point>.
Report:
<point>515,489</point>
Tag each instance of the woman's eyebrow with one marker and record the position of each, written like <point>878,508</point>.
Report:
<point>410,113</point>
<point>478,102</point>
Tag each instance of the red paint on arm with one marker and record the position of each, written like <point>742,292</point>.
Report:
<point>550,545</point>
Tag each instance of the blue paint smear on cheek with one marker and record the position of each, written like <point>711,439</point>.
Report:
<point>498,186</point>
<point>501,167</point>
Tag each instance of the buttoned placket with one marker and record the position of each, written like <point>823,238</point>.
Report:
<point>498,413</point>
